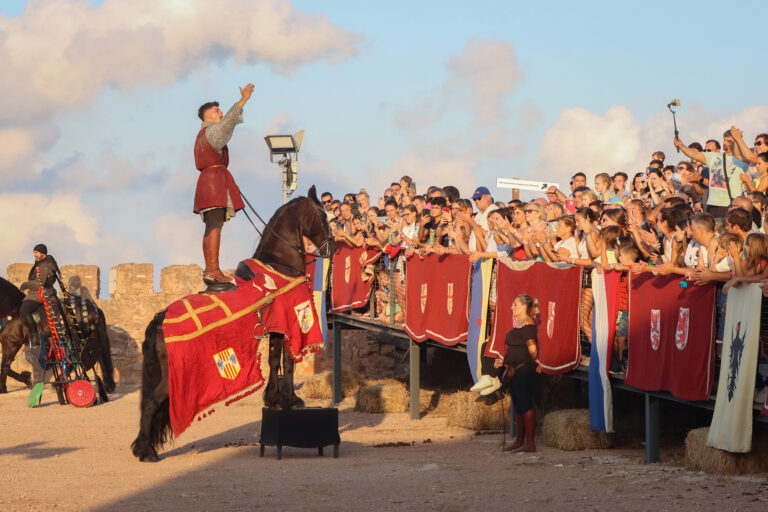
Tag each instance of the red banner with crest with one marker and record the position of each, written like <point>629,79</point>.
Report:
<point>671,337</point>
<point>351,283</point>
<point>437,298</point>
<point>557,289</point>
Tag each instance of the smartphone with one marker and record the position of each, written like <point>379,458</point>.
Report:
<point>570,205</point>
<point>381,219</point>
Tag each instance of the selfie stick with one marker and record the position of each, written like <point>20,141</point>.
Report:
<point>674,103</point>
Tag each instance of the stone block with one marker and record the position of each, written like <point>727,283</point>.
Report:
<point>181,280</point>
<point>18,272</point>
<point>82,280</point>
<point>131,279</point>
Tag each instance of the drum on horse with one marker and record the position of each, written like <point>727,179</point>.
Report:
<point>282,248</point>
<point>89,326</point>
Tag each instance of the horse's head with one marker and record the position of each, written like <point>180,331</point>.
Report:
<point>316,226</point>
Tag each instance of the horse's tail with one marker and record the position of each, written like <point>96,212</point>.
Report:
<point>151,379</point>
<point>105,352</point>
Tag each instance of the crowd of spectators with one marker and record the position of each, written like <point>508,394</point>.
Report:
<point>702,218</point>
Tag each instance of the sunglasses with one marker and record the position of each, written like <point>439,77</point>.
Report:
<point>759,143</point>
<point>328,201</point>
<point>681,168</point>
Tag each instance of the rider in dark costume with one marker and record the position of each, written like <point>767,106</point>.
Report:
<point>49,273</point>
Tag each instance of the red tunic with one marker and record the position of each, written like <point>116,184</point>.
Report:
<point>215,179</point>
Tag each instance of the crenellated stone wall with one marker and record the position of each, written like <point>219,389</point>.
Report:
<point>133,303</point>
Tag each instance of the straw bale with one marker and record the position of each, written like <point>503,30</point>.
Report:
<point>321,385</point>
<point>463,412</point>
<point>569,430</point>
<point>384,397</point>
<point>700,457</point>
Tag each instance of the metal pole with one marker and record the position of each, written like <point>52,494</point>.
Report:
<point>392,297</point>
<point>285,185</point>
<point>336,361</point>
<point>415,378</point>
<point>652,409</point>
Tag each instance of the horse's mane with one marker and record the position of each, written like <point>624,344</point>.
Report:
<point>280,211</point>
<point>270,229</point>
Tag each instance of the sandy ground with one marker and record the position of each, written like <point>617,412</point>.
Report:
<point>62,458</point>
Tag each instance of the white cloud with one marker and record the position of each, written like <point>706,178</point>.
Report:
<point>177,236</point>
<point>490,70</point>
<point>580,140</point>
<point>60,54</point>
<point>479,79</point>
<point>20,144</point>
<point>450,162</point>
<point>71,231</point>
<point>178,240</point>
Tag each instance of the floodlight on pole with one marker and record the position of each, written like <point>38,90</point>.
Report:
<point>286,146</point>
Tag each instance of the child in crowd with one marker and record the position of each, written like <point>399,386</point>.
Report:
<point>603,186</point>
<point>383,303</point>
<point>760,181</point>
<point>628,255</point>
<point>752,267</point>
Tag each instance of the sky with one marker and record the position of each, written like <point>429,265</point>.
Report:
<point>98,111</point>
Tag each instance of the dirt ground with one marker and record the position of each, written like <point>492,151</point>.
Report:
<point>62,458</point>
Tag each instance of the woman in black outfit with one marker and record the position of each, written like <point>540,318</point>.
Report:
<point>520,362</point>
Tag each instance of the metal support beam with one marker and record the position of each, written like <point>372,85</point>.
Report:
<point>652,413</point>
<point>336,362</point>
<point>415,357</point>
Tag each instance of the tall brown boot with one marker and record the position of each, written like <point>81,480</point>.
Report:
<point>518,444</point>
<point>211,245</point>
<point>530,431</point>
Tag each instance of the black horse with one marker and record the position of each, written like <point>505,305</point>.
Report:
<point>10,298</point>
<point>88,324</point>
<point>281,247</point>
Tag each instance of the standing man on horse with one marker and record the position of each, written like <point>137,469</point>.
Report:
<point>217,196</point>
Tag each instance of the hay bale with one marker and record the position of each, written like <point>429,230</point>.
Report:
<point>464,412</point>
<point>569,430</point>
<point>378,398</point>
<point>321,385</point>
<point>700,457</point>
<point>444,406</point>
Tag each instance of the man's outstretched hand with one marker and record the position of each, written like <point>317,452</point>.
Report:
<point>245,94</point>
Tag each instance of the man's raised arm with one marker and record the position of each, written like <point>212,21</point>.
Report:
<point>218,134</point>
<point>693,154</point>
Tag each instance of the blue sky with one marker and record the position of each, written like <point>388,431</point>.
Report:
<point>577,86</point>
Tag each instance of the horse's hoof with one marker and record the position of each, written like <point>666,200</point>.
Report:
<point>26,378</point>
<point>150,457</point>
<point>271,399</point>
<point>110,386</point>
<point>292,402</point>
<point>3,390</point>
